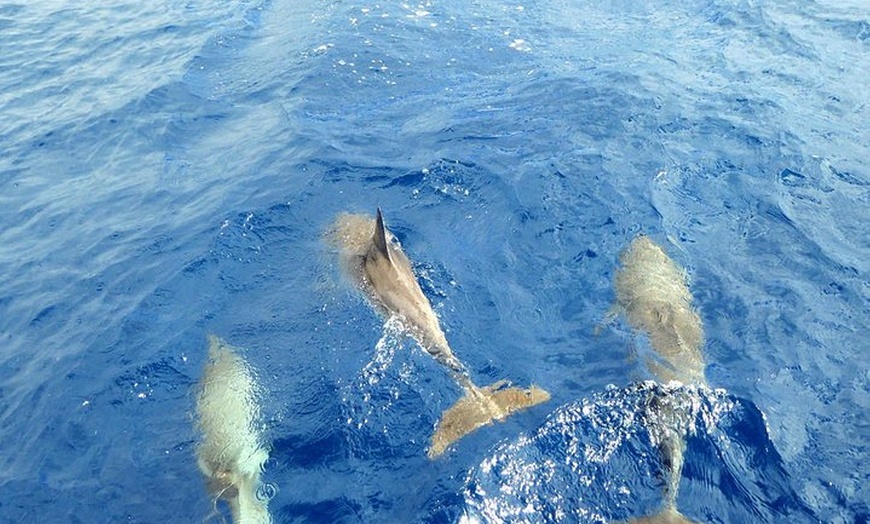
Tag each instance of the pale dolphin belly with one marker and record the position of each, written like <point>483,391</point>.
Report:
<point>230,454</point>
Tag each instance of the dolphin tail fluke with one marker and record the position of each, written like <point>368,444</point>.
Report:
<point>479,407</point>
<point>672,449</point>
<point>669,515</point>
<point>246,507</point>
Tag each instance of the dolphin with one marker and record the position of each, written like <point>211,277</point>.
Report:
<point>652,293</point>
<point>229,454</point>
<point>372,258</point>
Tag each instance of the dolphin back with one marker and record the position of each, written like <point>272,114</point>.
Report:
<point>652,292</point>
<point>377,266</point>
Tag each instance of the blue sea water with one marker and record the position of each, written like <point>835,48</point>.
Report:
<point>168,170</point>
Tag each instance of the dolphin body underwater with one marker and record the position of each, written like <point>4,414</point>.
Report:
<point>229,454</point>
<point>371,257</point>
<point>652,293</point>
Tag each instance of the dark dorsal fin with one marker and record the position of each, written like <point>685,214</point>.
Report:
<point>380,236</point>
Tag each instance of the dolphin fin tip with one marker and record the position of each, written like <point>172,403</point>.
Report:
<point>380,235</point>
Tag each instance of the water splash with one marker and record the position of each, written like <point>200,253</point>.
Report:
<point>593,460</point>
<point>385,350</point>
<point>366,396</point>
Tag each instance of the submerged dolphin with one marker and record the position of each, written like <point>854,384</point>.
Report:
<point>377,265</point>
<point>651,291</point>
<point>229,453</point>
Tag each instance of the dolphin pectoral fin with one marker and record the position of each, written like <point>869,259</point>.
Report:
<point>479,408</point>
<point>380,236</point>
<point>668,515</point>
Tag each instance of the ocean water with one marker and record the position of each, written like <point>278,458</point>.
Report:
<point>168,170</point>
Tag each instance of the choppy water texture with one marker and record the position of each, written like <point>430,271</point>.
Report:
<point>168,170</point>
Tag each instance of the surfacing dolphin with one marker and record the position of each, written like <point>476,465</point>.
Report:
<point>230,454</point>
<point>652,293</point>
<point>370,256</point>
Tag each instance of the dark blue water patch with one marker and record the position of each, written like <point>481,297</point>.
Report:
<point>443,506</point>
<point>143,122</point>
<point>46,315</point>
<point>11,9</point>
<point>178,109</point>
<point>753,475</point>
<point>35,500</point>
<point>157,381</point>
<point>850,178</point>
<point>430,278</point>
<point>315,443</point>
<point>587,254</point>
<point>849,28</point>
<point>380,433</point>
<point>446,176</point>
<point>342,510</point>
<point>365,452</point>
<point>199,267</point>
<point>316,450</point>
<point>342,171</point>
<point>528,113</point>
<point>258,250</point>
<point>74,439</point>
<point>224,48</point>
<point>413,179</point>
<point>792,178</point>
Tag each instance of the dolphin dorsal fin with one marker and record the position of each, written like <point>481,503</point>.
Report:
<point>380,236</point>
